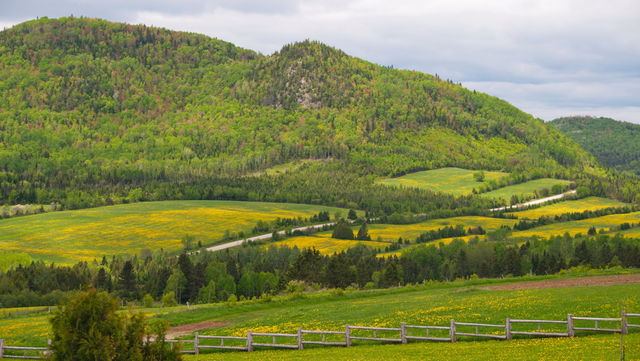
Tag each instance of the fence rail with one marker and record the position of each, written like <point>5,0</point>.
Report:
<point>298,343</point>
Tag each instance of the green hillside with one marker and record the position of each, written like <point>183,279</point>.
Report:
<point>95,113</point>
<point>615,143</point>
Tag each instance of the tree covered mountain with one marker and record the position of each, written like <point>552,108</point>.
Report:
<point>94,112</point>
<point>614,143</point>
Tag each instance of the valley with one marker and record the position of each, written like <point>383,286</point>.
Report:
<point>158,181</point>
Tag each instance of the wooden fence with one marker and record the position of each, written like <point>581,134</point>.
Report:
<point>401,335</point>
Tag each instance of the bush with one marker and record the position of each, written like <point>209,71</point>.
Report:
<point>169,299</point>
<point>147,301</point>
<point>342,231</point>
<point>87,327</point>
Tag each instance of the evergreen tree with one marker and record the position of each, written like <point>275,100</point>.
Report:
<point>363,233</point>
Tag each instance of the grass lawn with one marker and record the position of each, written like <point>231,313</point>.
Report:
<point>575,206</point>
<point>525,189</point>
<point>448,180</point>
<point>71,236</point>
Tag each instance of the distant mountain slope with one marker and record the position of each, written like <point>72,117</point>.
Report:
<point>614,143</point>
<point>94,112</point>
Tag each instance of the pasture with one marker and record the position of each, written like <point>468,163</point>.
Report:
<point>432,304</point>
<point>574,206</point>
<point>447,180</point>
<point>83,235</point>
<point>526,189</point>
<point>582,226</point>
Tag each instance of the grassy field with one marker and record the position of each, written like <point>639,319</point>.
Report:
<point>70,236</point>
<point>432,304</point>
<point>582,226</point>
<point>575,206</point>
<point>448,180</point>
<point>391,232</point>
<point>525,189</point>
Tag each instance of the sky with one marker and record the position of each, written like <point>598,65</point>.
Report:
<point>550,58</point>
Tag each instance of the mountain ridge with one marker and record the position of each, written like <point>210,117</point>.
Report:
<point>171,118</point>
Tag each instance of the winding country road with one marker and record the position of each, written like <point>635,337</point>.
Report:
<point>220,247</point>
<point>536,201</point>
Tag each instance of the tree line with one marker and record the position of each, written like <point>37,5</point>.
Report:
<point>250,272</point>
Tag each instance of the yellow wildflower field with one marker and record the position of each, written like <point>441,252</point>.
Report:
<point>382,234</point>
<point>327,245</point>
<point>391,232</point>
<point>575,206</point>
<point>83,235</point>
<point>582,226</point>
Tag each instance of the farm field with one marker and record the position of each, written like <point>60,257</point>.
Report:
<point>71,236</point>
<point>448,180</point>
<point>581,226</point>
<point>391,232</point>
<point>573,206</point>
<point>525,189</point>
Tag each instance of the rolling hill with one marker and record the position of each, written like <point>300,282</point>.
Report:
<point>96,113</point>
<point>614,143</point>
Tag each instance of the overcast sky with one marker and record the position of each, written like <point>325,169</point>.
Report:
<point>551,58</point>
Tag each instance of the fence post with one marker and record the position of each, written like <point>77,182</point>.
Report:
<point>507,329</point>
<point>403,332</point>
<point>570,331</point>
<point>623,323</point>
<point>300,339</point>
<point>347,336</point>
<point>196,343</point>
<point>1,348</point>
<point>452,330</point>
<point>249,341</point>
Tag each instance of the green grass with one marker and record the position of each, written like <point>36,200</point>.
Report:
<point>9,260</point>
<point>71,236</point>
<point>448,180</point>
<point>525,189</point>
<point>575,206</point>
<point>432,304</point>
<point>595,347</point>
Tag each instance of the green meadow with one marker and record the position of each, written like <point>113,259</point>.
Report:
<point>448,180</point>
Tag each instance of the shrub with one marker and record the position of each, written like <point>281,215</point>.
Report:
<point>169,299</point>
<point>147,301</point>
<point>87,327</point>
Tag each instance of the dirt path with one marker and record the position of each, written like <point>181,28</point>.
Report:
<point>187,329</point>
<point>570,282</point>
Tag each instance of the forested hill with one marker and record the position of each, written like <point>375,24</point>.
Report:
<point>615,143</point>
<point>94,112</point>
